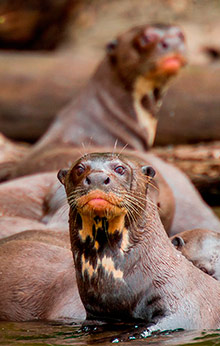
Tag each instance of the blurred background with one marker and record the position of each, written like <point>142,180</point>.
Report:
<point>49,48</point>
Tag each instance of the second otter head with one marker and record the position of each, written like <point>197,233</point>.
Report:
<point>202,248</point>
<point>153,51</point>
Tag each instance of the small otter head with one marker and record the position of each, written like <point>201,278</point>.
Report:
<point>144,58</point>
<point>202,248</point>
<point>106,192</point>
<point>155,52</point>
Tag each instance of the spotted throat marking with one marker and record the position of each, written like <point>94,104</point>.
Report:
<point>90,227</point>
<point>105,263</point>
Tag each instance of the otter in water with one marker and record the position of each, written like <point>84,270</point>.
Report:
<point>126,267</point>
<point>202,248</point>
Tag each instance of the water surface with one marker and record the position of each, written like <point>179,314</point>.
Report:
<point>48,334</point>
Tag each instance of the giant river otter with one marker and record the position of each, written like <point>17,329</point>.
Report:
<point>121,100</point>
<point>126,267</point>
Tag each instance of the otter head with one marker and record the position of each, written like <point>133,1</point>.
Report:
<point>145,58</point>
<point>202,248</point>
<point>107,197</point>
<point>155,52</point>
<point>106,190</point>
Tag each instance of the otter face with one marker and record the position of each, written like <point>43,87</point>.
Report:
<point>102,192</point>
<point>98,183</point>
<point>156,51</point>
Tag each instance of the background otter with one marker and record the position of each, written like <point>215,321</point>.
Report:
<point>202,248</point>
<point>121,100</point>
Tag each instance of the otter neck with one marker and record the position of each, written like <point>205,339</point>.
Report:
<point>133,108</point>
<point>106,113</point>
<point>107,273</point>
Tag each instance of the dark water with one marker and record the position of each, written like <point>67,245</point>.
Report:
<point>39,333</point>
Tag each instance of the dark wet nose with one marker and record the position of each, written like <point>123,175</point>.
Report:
<point>97,179</point>
<point>174,39</point>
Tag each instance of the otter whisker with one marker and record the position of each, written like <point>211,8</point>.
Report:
<point>84,148</point>
<point>131,206</point>
<point>130,216</point>
<point>137,204</point>
<point>80,152</point>
<point>134,208</point>
<point>115,146</point>
<point>149,181</point>
<point>124,147</point>
<point>146,199</point>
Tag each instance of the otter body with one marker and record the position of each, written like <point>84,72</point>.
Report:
<point>121,100</point>
<point>126,267</point>
<point>37,282</point>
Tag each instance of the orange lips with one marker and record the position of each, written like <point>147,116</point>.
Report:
<point>172,64</point>
<point>100,203</point>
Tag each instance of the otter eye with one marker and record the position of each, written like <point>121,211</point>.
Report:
<point>145,40</point>
<point>120,170</point>
<point>79,169</point>
<point>142,42</point>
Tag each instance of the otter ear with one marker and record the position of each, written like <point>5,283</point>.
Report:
<point>110,47</point>
<point>61,175</point>
<point>148,171</point>
<point>178,242</point>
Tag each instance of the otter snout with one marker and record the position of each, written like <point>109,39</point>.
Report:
<point>96,180</point>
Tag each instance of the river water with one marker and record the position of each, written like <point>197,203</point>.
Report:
<point>48,334</point>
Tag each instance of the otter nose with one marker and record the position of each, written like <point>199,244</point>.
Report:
<point>97,179</point>
<point>175,39</point>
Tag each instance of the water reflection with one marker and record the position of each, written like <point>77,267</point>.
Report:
<point>39,333</point>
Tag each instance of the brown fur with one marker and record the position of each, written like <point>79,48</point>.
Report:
<point>111,106</point>
<point>15,224</point>
<point>37,282</point>
<point>25,197</point>
<point>150,280</point>
<point>53,237</point>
